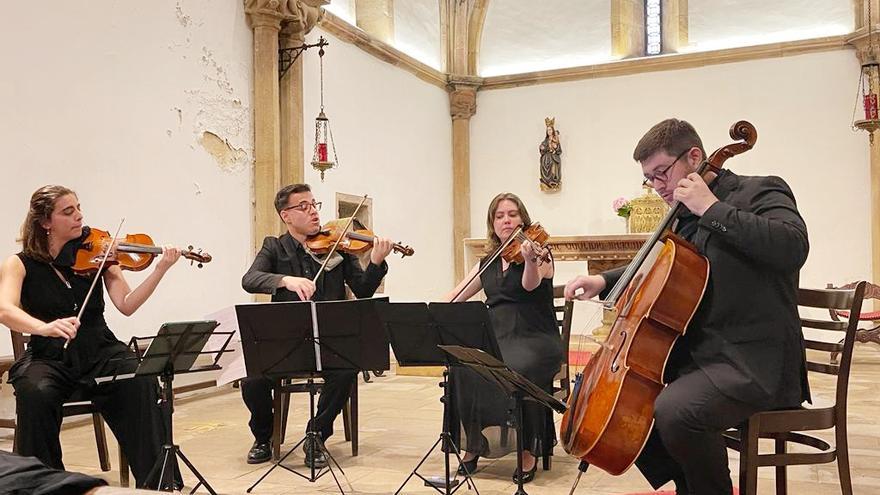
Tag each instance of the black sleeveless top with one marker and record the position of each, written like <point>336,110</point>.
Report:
<point>45,296</point>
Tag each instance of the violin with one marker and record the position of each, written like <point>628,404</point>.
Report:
<point>134,252</point>
<point>355,241</point>
<point>534,234</point>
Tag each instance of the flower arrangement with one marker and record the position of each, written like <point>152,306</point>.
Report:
<point>622,206</point>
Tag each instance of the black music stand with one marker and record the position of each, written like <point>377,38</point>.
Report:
<point>416,331</point>
<point>512,383</point>
<point>285,339</point>
<point>173,350</point>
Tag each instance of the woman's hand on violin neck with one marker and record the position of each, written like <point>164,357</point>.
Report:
<point>529,252</point>
<point>63,327</point>
<point>303,287</point>
<point>170,255</point>
<point>591,285</point>
<point>381,249</point>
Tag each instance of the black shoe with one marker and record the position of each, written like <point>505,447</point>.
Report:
<point>317,459</point>
<point>259,453</point>
<point>528,476</point>
<point>468,467</point>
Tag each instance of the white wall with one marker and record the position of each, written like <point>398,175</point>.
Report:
<point>393,137</point>
<point>109,98</point>
<point>801,106</point>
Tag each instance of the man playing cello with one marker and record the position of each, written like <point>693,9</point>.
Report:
<point>743,351</point>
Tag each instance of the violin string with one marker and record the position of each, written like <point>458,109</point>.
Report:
<point>339,239</point>
<point>97,275</point>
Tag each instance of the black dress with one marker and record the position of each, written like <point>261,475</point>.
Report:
<point>525,326</point>
<point>48,375</point>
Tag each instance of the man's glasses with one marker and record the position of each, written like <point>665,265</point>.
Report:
<point>662,172</point>
<point>304,206</point>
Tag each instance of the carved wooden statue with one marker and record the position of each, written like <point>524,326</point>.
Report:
<point>551,158</point>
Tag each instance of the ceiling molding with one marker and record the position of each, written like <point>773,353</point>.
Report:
<point>383,51</point>
<point>668,62</point>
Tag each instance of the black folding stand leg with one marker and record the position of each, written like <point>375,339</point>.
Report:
<point>447,445</point>
<point>313,438</point>
<point>519,444</point>
<point>166,463</point>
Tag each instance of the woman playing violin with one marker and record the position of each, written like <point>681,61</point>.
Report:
<point>520,300</point>
<point>41,295</point>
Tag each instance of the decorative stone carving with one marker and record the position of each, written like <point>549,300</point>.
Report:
<point>305,13</point>
<point>463,96</point>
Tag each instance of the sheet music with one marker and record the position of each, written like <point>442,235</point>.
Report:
<point>232,363</point>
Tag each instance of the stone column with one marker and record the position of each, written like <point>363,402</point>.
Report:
<point>294,134</point>
<point>627,28</point>
<point>674,25</point>
<point>266,18</point>
<point>864,51</point>
<point>266,24</point>
<point>462,106</point>
<point>376,18</point>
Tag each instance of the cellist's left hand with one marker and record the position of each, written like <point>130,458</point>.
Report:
<point>381,249</point>
<point>695,194</point>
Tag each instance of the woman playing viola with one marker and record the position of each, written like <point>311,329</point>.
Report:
<point>520,300</point>
<point>41,295</point>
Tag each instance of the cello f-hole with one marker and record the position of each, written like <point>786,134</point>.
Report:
<point>614,365</point>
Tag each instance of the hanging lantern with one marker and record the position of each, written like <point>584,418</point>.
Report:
<point>321,159</point>
<point>867,94</point>
<point>869,84</point>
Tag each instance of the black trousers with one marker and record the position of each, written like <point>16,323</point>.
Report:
<point>28,476</point>
<point>129,407</point>
<point>686,445</point>
<point>257,395</point>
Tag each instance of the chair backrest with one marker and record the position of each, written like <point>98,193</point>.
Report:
<point>19,342</point>
<point>833,299</point>
<point>564,310</point>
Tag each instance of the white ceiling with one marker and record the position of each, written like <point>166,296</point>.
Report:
<point>530,35</point>
<point>725,23</point>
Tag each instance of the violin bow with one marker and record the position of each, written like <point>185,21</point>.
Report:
<point>339,239</point>
<point>492,258</point>
<point>82,308</point>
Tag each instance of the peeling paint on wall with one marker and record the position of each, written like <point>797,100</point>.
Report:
<point>229,158</point>
<point>221,124</point>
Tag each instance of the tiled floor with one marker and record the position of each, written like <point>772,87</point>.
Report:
<point>400,419</point>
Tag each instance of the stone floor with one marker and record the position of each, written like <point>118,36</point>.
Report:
<point>400,419</point>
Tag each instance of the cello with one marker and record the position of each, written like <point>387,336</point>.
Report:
<point>611,406</point>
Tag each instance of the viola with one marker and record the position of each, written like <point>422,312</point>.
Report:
<point>534,234</point>
<point>611,406</point>
<point>355,241</point>
<point>134,252</point>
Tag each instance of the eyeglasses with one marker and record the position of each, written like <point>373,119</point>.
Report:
<point>662,172</point>
<point>304,206</point>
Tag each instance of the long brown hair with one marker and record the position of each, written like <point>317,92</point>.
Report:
<point>491,237</point>
<point>34,238</point>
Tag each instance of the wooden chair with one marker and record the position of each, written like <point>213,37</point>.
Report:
<point>76,406</point>
<point>562,381</point>
<point>786,426</point>
<point>564,310</point>
<point>864,335</point>
<point>281,402</point>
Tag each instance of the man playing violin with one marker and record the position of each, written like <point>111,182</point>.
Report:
<point>743,351</point>
<point>284,267</point>
<point>41,295</point>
